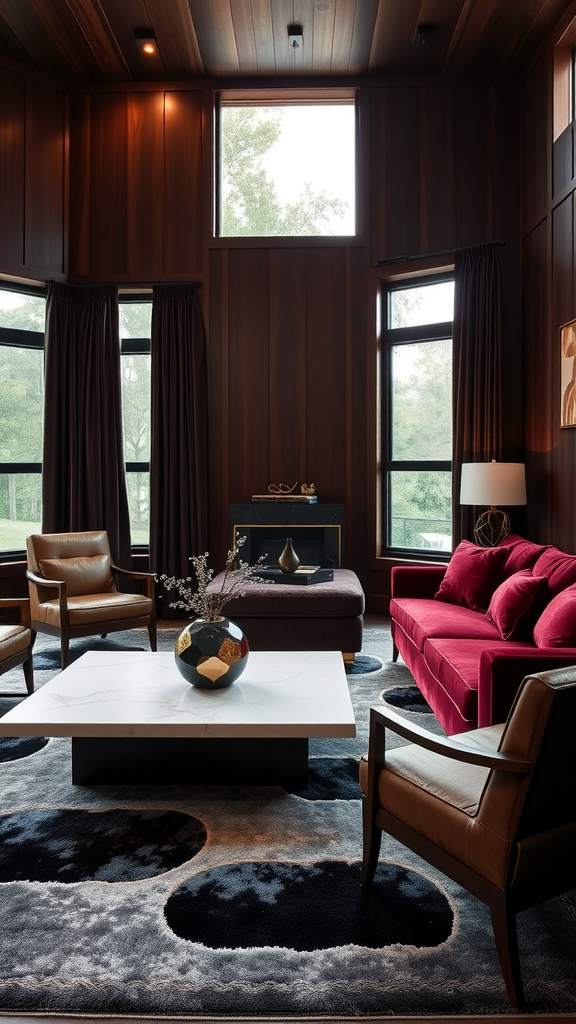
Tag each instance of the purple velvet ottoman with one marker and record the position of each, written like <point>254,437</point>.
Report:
<point>317,617</point>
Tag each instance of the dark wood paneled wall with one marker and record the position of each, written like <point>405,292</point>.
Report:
<point>136,190</point>
<point>33,170</point>
<point>549,189</point>
<point>291,324</point>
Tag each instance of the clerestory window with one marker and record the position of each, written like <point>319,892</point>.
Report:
<point>286,165</point>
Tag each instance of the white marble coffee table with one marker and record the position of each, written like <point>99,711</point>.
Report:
<point>133,718</point>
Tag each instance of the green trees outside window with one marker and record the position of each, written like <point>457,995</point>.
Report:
<point>287,170</point>
<point>22,318</point>
<point>417,429</point>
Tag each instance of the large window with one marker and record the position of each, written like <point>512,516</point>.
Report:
<point>22,321</point>
<point>135,323</point>
<point>287,166</point>
<point>22,316</point>
<point>417,426</point>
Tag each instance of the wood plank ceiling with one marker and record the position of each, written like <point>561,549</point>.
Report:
<point>94,40</point>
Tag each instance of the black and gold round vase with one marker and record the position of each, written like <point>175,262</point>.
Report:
<point>211,655</point>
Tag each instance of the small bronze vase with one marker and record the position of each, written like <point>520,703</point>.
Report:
<point>211,655</point>
<point>289,560</point>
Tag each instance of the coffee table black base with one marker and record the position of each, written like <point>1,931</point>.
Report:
<point>187,761</point>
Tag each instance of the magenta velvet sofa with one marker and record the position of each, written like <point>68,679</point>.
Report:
<point>469,632</point>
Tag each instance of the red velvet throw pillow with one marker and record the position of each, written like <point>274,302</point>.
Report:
<point>511,602</point>
<point>472,575</point>
<point>558,568</point>
<point>521,553</point>
<point>556,627</point>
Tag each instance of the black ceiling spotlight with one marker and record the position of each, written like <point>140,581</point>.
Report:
<point>295,37</point>
<point>146,42</point>
<point>424,35</point>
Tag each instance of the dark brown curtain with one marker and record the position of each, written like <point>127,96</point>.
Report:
<point>179,440</point>
<point>83,474</point>
<point>477,428</point>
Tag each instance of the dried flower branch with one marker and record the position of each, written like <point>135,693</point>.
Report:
<point>208,604</point>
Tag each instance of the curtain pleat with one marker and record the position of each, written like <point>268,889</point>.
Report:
<point>477,426</point>
<point>83,472</point>
<point>179,438</point>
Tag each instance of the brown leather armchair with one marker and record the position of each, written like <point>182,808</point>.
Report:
<point>73,592</point>
<point>16,642</point>
<point>494,808</point>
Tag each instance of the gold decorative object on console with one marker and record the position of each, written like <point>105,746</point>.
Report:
<point>282,488</point>
<point>308,489</point>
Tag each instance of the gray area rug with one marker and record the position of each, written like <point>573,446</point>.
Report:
<point>226,901</point>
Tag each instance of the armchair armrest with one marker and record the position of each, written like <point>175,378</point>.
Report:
<point>416,580</point>
<point>59,585</point>
<point>132,574</point>
<point>444,745</point>
<point>501,673</point>
<point>41,581</point>
<point>23,603</point>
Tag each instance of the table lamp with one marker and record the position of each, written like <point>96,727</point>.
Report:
<point>492,483</point>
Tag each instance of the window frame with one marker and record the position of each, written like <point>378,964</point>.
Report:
<point>136,346</point>
<point>390,338</point>
<point>283,97</point>
<point>15,337</point>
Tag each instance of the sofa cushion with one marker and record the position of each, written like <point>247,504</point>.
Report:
<point>521,553</point>
<point>472,575</point>
<point>556,627</point>
<point>421,617</point>
<point>455,664</point>
<point>558,568</point>
<point>512,602</point>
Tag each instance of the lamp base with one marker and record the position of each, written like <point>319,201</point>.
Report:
<point>491,528</point>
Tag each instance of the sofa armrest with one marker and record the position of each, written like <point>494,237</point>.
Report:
<point>416,580</point>
<point>501,673</point>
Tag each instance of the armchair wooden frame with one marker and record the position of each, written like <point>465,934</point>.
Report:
<point>24,657</point>
<point>504,904</point>
<point>66,631</point>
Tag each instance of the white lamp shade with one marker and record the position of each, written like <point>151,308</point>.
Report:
<point>493,483</point>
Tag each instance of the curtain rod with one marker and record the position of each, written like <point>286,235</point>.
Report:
<point>439,252</point>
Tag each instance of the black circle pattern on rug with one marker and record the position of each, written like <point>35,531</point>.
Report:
<point>406,698</point>
<point>108,846</point>
<point>308,906</point>
<point>331,778</point>
<point>362,665</point>
<point>12,748</point>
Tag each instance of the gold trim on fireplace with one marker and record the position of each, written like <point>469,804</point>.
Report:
<point>293,526</point>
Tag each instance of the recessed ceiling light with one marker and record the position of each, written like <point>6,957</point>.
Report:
<point>146,41</point>
<point>295,37</point>
<point>424,35</point>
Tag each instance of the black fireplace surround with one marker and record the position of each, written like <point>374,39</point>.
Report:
<point>317,531</point>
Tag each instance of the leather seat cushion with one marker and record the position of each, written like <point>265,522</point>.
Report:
<point>421,617</point>
<point>88,574</point>
<point>341,597</point>
<point>84,610</point>
<point>13,640</point>
<point>439,798</point>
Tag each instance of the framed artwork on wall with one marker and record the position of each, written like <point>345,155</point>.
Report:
<point>568,374</point>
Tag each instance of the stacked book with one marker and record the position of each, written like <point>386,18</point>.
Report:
<point>304,575</point>
<point>307,499</point>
